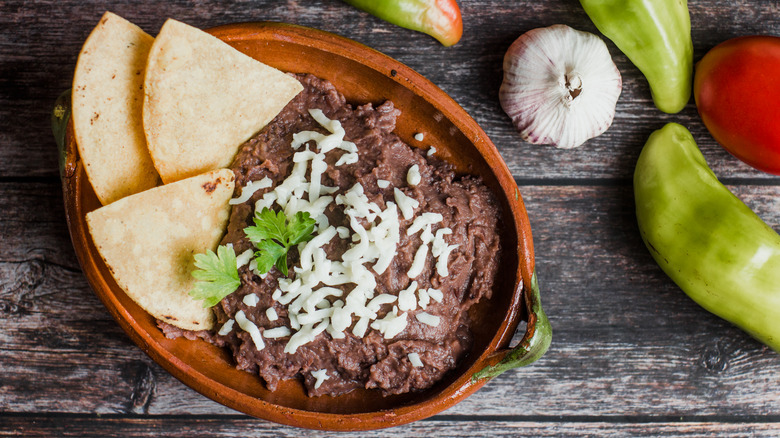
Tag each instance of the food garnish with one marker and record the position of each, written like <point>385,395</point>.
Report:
<point>217,275</point>
<point>656,37</point>
<point>560,86</point>
<point>440,19</point>
<point>738,98</point>
<point>712,245</point>
<point>274,234</point>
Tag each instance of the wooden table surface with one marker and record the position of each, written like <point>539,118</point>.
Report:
<point>631,354</point>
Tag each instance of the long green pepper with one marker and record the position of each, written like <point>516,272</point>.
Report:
<point>656,37</point>
<point>711,244</point>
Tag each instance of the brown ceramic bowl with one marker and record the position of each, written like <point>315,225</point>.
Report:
<point>362,75</point>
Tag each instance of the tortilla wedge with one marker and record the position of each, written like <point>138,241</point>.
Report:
<point>108,108</point>
<point>203,99</point>
<point>148,240</point>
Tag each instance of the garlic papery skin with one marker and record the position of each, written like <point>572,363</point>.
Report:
<point>560,86</point>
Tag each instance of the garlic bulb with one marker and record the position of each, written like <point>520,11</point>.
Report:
<point>560,86</point>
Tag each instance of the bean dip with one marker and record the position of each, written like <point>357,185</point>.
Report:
<point>407,321</point>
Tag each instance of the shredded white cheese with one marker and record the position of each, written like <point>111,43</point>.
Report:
<point>436,294</point>
<point>405,203</point>
<point>251,300</point>
<point>276,332</point>
<point>441,251</point>
<point>314,317</point>
<point>248,190</point>
<point>391,325</point>
<point>441,262</point>
<point>406,299</point>
<point>360,327</point>
<point>423,299</point>
<point>425,220</point>
<point>271,314</point>
<point>318,167</point>
<point>383,183</point>
<point>438,241</point>
<point>250,327</point>
<point>348,158</point>
<point>418,264</point>
<point>413,176</point>
<point>244,258</point>
<point>386,236</point>
<point>420,257</point>
<point>431,151</point>
<point>414,359</point>
<point>227,327</point>
<point>419,136</point>
<point>306,334</point>
<point>321,376</point>
<point>376,303</point>
<point>307,255</point>
<point>428,319</point>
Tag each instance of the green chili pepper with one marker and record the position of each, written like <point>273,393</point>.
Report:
<point>440,19</point>
<point>712,245</point>
<point>656,37</point>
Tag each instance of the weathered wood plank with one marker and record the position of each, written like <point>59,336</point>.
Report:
<point>632,355</point>
<point>39,50</point>
<point>626,333</point>
<point>33,223</point>
<point>625,336</point>
<point>43,426</point>
<point>56,338</point>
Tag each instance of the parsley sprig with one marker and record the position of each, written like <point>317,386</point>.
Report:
<point>274,234</point>
<point>217,275</point>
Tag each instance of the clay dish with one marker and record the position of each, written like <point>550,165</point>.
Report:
<point>362,75</point>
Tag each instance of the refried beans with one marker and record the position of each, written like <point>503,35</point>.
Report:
<point>434,337</point>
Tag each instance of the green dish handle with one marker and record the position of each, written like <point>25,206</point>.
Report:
<point>534,344</point>
<point>60,116</point>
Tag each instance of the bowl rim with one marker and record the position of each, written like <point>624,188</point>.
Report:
<point>73,177</point>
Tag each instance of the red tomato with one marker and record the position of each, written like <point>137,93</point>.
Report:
<point>737,92</point>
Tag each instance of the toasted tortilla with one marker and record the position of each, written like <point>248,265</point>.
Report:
<point>148,241</point>
<point>108,109</point>
<point>203,99</point>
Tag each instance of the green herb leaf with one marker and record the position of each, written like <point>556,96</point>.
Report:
<point>217,275</point>
<point>274,234</point>
<point>268,225</point>
<point>300,228</point>
<point>268,253</point>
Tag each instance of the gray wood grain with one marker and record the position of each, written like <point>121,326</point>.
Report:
<point>108,427</point>
<point>625,335</point>
<point>631,356</point>
<point>39,50</point>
